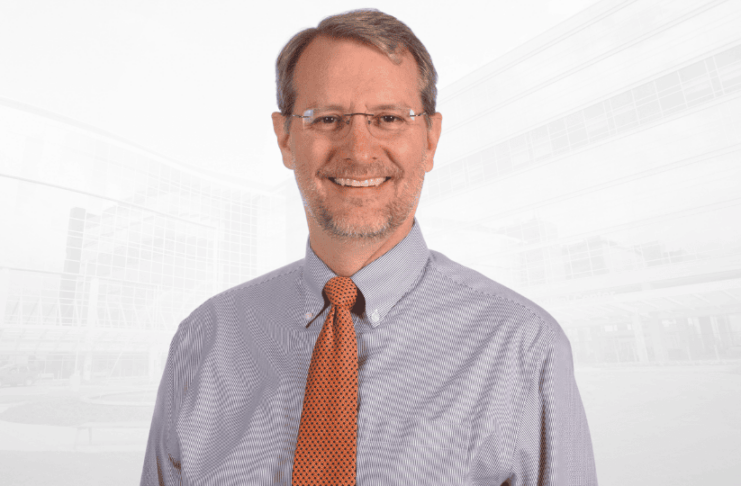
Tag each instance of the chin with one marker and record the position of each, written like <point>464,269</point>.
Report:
<point>363,232</point>
<point>346,228</point>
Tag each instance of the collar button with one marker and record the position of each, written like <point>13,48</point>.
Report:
<point>375,317</point>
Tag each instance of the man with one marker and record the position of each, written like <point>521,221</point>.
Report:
<point>373,360</point>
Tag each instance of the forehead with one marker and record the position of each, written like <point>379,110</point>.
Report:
<point>349,73</point>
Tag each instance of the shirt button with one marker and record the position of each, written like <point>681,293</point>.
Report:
<point>375,317</point>
<point>308,315</point>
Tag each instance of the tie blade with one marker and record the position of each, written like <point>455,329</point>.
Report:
<point>326,449</point>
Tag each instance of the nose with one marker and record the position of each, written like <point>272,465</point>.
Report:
<point>359,142</point>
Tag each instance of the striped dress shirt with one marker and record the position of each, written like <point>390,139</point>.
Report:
<point>461,381</point>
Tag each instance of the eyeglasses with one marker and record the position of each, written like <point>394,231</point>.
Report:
<point>387,123</point>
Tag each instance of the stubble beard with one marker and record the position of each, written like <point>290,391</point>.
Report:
<point>339,227</point>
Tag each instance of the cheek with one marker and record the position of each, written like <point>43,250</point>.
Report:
<point>311,156</point>
<point>409,156</point>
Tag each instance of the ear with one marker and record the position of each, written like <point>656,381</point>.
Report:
<point>433,136</point>
<point>283,137</point>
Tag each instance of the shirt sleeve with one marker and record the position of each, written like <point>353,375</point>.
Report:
<point>162,458</point>
<point>554,446</point>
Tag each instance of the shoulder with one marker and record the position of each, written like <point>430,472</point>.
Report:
<point>278,280</point>
<point>204,318</point>
<point>275,281</point>
<point>504,299</point>
<point>527,334</point>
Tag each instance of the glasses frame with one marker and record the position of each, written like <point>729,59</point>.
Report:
<point>347,116</point>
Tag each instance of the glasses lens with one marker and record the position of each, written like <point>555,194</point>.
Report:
<point>390,122</point>
<point>323,121</point>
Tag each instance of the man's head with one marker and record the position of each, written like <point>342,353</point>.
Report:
<point>359,62</point>
<point>367,26</point>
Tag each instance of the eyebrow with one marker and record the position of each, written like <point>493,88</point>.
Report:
<point>372,109</point>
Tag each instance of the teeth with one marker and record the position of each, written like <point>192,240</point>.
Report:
<point>365,183</point>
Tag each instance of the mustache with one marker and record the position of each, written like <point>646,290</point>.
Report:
<point>361,171</point>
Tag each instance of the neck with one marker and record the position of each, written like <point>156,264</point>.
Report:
<point>348,255</point>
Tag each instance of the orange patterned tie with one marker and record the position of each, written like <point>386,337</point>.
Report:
<point>327,434</point>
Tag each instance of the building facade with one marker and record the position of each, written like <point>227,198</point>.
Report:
<point>106,246</point>
<point>596,170</point>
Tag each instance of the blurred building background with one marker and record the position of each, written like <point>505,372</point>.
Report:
<point>597,170</point>
<point>106,247</point>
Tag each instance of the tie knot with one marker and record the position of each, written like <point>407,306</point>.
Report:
<point>341,292</point>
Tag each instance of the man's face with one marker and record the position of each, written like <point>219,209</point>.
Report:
<point>357,78</point>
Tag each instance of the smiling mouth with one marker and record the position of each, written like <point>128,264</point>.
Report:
<point>374,182</point>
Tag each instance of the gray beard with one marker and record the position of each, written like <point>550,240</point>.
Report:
<point>394,216</point>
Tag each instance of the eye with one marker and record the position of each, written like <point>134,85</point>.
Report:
<point>327,122</point>
<point>390,119</point>
<point>324,122</point>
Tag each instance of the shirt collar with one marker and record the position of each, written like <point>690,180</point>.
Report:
<point>383,282</point>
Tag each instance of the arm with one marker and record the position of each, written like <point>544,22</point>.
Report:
<point>553,444</point>
<point>162,458</point>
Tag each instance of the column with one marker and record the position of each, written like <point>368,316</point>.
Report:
<point>640,338</point>
<point>91,322</point>
<point>4,289</point>
<point>656,328</point>
<point>154,367</point>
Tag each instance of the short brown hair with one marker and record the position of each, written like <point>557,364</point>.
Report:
<point>369,26</point>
